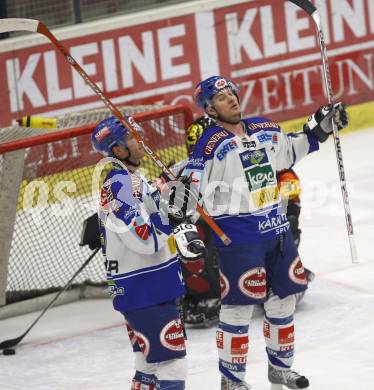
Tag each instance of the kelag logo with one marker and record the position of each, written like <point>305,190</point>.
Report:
<point>259,177</point>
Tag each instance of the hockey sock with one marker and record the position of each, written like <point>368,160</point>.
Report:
<point>142,381</point>
<point>279,339</point>
<point>232,341</point>
<point>171,374</point>
<point>171,385</point>
<point>279,330</point>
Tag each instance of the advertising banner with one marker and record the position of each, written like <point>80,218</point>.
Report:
<point>269,48</point>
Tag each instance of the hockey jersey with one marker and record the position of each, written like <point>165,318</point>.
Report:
<point>141,261</point>
<point>237,177</point>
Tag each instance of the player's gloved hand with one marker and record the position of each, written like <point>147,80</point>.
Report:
<point>189,244</point>
<point>320,122</point>
<point>180,202</point>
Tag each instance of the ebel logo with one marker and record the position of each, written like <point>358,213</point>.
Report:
<point>221,83</point>
<point>113,290</point>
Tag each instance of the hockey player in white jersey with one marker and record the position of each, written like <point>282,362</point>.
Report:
<point>234,165</point>
<point>143,269</point>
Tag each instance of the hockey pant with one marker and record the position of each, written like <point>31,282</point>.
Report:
<point>233,341</point>
<point>156,334</point>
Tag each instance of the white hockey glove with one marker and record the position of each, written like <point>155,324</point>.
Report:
<point>189,244</point>
<point>320,122</point>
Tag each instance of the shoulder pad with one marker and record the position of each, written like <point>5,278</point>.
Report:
<point>210,140</point>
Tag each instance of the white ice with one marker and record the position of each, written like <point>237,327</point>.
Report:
<point>84,346</point>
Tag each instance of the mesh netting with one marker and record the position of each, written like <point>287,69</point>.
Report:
<point>56,196</point>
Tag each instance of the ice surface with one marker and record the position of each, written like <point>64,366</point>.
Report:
<point>83,345</point>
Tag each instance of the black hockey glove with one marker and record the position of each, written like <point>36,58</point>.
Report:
<point>180,202</point>
<point>320,122</point>
<point>189,244</point>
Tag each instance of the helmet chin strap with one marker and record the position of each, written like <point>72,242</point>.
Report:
<point>232,122</point>
<point>219,118</point>
<point>128,161</point>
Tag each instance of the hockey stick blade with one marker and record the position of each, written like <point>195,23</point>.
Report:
<point>15,24</point>
<point>13,342</point>
<point>306,5</point>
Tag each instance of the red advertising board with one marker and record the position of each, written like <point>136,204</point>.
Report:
<point>268,47</point>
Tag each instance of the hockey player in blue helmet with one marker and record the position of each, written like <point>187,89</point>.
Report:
<point>112,139</point>
<point>143,268</point>
<point>207,89</point>
<point>234,164</point>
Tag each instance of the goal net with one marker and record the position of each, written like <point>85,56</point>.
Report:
<point>46,194</point>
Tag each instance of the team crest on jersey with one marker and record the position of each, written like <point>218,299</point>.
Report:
<point>296,272</point>
<point>172,337</point>
<point>224,285</point>
<point>253,283</point>
<point>107,201</point>
<point>142,231</point>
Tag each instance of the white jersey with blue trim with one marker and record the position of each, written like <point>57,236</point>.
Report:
<point>141,261</point>
<point>237,176</point>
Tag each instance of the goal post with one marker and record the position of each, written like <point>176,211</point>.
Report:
<point>46,193</point>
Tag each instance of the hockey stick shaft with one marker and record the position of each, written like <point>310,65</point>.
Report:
<point>309,8</point>
<point>13,342</point>
<point>8,25</point>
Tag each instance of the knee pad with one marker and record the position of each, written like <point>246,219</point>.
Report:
<point>236,314</point>
<point>172,370</point>
<point>142,365</point>
<point>280,308</point>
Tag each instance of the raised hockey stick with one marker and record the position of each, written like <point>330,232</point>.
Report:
<point>311,10</point>
<point>14,24</point>
<point>13,342</point>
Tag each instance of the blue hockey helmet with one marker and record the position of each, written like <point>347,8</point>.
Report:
<point>108,133</point>
<point>206,89</point>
